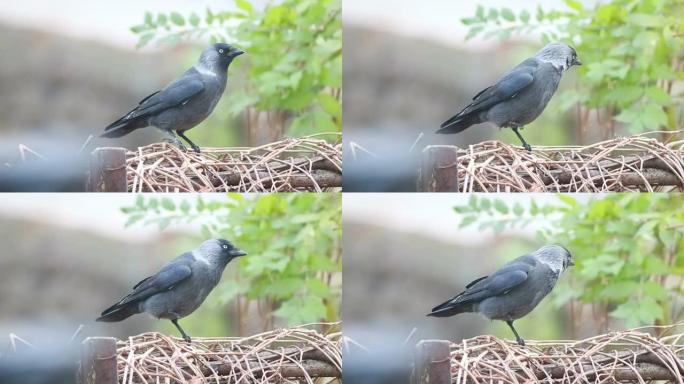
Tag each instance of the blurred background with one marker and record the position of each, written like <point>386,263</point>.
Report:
<point>405,253</point>
<point>409,69</point>
<point>69,69</point>
<point>60,270</point>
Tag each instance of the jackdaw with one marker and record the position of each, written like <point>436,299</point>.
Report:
<point>183,103</point>
<point>179,288</point>
<point>520,96</point>
<point>514,290</point>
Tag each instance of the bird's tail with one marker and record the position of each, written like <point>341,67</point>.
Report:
<point>458,123</point>
<point>123,127</point>
<point>118,312</point>
<point>450,308</point>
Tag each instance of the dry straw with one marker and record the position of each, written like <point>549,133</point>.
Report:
<point>628,356</point>
<point>637,163</point>
<point>290,165</point>
<point>295,355</point>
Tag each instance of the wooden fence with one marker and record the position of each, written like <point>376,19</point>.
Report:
<point>630,164</point>
<point>638,355</point>
<point>157,168</point>
<point>98,365</point>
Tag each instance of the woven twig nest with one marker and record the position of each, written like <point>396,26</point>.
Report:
<point>627,356</point>
<point>294,355</point>
<point>638,163</point>
<point>290,165</point>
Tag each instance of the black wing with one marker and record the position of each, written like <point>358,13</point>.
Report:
<point>508,87</point>
<point>177,93</point>
<point>499,283</point>
<point>168,277</point>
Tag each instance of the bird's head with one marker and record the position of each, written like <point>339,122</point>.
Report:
<point>221,250</point>
<point>557,257</point>
<point>561,56</point>
<point>219,54</point>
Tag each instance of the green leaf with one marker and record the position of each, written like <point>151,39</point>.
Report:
<point>567,200</point>
<point>168,204</point>
<point>134,219</point>
<point>185,207</point>
<point>177,19</point>
<point>330,105</point>
<point>500,206</point>
<point>658,96</point>
<point>574,4</point>
<point>507,14</point>
<point>518,209</point>
<point>245,6</point>
<point>653,117</point>
<point>149,19</point>
<point>645,20</point>
<point>480,12</point>
<point>474,31</point>
<point>145,39</point>
<point>493,14</point>
<point>194,19</point>
<point>466,221</point>
<point>525,16</point>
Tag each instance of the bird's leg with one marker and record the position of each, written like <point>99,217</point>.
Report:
<point>524,143</point>
<point>171,138</point>
<point>185,336</point>
<point>193,145</point>
<point>518,339</point>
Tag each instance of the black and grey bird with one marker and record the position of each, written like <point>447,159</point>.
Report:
<point>179,288</point>
<point>520,96</point>
<point>514,290</point>
<point>183,103</point>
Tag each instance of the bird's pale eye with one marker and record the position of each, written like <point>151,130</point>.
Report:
<point>225,246</point>
<point>221,51</point>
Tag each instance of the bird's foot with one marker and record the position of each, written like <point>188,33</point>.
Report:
<point>196,149</point>
<point>527,147</point>
<point>187,339</point>
<point>520,342</point>
<point>177,143</point>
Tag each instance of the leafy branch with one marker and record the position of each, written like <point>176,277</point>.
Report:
<point>629,249</point>
<point>293,241</point>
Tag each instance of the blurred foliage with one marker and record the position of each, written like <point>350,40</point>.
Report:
<point>632,50</point>
<point>293,242</point>
<point>294,53</point>
<point>628,248</point>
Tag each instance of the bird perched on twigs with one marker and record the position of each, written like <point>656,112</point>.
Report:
<point>514,290</point>
<point>183,103</point>
<point>520,96</point>
<point>179,288</point>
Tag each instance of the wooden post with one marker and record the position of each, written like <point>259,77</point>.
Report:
<point>432,362</point>
<point>107,170</point>
<point>439,169</point>
<point>98,361</point>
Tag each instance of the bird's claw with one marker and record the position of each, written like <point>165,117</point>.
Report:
<point>520,342</point>
<point>187,339</point>
<point>176,143</point>
<point>527,147</point>
<point>196,149</point>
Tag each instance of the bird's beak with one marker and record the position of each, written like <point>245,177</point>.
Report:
<point>238,253</point>
<point>571,263</point>
<point>238,52</point>
<point>576,62</point>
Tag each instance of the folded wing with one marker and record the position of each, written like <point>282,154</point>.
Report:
<point>508,87</point>
<point>168,277</point>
